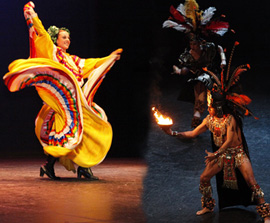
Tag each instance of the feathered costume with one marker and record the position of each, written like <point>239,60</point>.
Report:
<point>221,90</point>
<point>222,86</point>
<point>69,125</point>
<point>188,18</point>
<point>196,24</point>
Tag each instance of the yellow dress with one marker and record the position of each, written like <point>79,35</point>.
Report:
<point>69,125</point>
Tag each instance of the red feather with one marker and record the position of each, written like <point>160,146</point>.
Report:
<point>239,99</point>
<point>177,15</point>
<point>222,79</point>
<point>239,71</point>
<point>236,74</point>
<point>217,25</point>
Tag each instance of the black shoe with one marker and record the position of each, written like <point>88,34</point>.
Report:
<point>49,172</point>
<point>86,172</point>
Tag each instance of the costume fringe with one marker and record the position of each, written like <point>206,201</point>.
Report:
<point>230,184</point>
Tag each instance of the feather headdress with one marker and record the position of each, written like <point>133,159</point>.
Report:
<point>188,18</point>
<point>222,88</point>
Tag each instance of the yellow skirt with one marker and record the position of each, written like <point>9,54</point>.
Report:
<point>69,125</point>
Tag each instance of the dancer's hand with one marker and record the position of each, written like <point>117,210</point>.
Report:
<point>170,132</point>
<point>29,5</point>
<point>176,70</point>
<point>180,135</point>
<point>166,129</point>
<point>30,12</point>
<point>210,156</point>
<point>117,53</point>
<point>182,71</point>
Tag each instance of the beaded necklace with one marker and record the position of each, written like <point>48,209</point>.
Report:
<point>71,62</point>
<point>218,126</point>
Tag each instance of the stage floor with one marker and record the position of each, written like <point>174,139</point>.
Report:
<point>115,198</point>
<point>160,188</point>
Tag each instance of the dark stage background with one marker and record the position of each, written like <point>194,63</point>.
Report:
<point>142,75</point>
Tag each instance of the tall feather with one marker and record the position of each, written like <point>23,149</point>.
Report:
<point>191,8</point>
<point>176,26</point>
<point>235,75</point>
<point>230,60</point>
<point>177,15</point>
<point>181,9</point>
<point>247,111</point>
<point>222,79</point>
<point>218,27</point>
<point>239,98</point>
<point>207,15</point>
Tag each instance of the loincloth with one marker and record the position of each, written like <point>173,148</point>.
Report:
<point>232,158</point>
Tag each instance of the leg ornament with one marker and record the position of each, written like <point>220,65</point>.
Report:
<point>207,200</point>
<point>257,192</point>
<point>196,121</point>
<point>199,106</point>
<point>263,210</point>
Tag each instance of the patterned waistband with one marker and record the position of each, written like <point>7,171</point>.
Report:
<point>235,149</point>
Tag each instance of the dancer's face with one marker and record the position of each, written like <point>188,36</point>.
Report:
<point>194,45</point>
<point>212,111</point>
<point>63,40</point>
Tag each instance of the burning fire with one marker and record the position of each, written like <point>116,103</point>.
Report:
<point>161,120</point>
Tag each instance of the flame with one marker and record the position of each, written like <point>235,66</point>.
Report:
<point>161,120</point>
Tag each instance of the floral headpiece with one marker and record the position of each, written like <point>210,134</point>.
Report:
<point>54,31</point>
